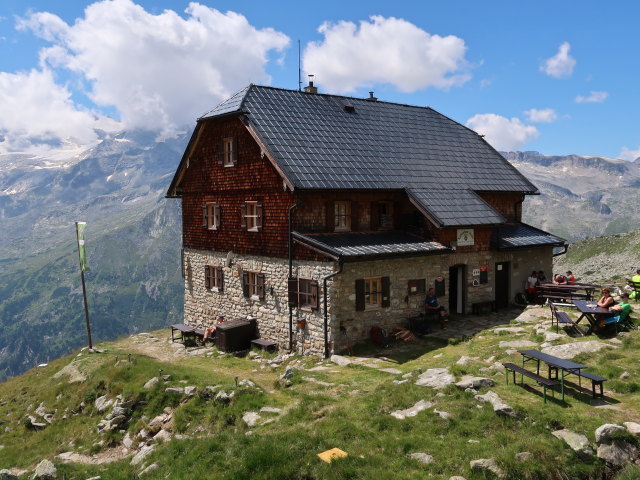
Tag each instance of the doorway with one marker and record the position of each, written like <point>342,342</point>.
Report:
<point>502,285</point>
<point>456,288</point>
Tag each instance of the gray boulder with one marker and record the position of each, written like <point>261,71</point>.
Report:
<point>633,428</point>
<point>606,431</point>
<point>340,360</point>
<point>499,407</point>
<point>251,418</point>
<point>7,475</point>
<point>436,378</point>
<point>142,454</point>
<point>45,470</point>
<point>486,464</point>
<point>152,382</point>
<point>618,452</point>
<point>222,398</point>
<point>469,381</point>
<point>578,442</point>
<point>412,411</point>
<point>421,457</point>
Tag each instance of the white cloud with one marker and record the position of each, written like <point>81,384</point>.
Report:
<point>39,114</point>
<point>544,115</point>
<point>385,50</point>
<point>158,71</point>
<point>628,154</point>
<point>503,133</point>
<point>594,97</point>
<point>561,64</point>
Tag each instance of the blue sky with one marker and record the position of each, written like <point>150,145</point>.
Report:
<point>557,77</point>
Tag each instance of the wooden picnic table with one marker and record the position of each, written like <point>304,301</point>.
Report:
<point>591,311</point>
<point>554,364</point>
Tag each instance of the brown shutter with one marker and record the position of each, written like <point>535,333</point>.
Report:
<point>207,277</point>
<point>234,150</point>
<point>243,215</point>
<point>314,294</point>
<point>359,295</point>
<point>220,278</point>
<point>205,216</point>
<point>422,286</point>
<point>375,216</point>
<point>245,284</point>
<point>330,217</point>
<point>259,216</point>
<point>292,288</point>
<point>216,216</point>
<point>260,285</point>
<point>354,217</point>
<point>221,152</point>
<point>386,291</point>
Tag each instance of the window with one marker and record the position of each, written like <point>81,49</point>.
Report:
<point>213,278</point>
<point>386,215</point>
<point>211,216</point>
<point>417,287</point>
<point>372,293</point>
<point>228,152</point>
<point>303,293</point>
<point>253,285</point>
<point>342,216</point>
<point>251,216</point>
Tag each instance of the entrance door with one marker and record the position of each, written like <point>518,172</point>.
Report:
<point>456,289</point>
<point>502,285</point>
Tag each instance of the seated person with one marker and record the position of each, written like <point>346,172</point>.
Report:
<point>560,279</point>
<point>623,309</point>
<point>210,332</point>
<point>541,277</point>
<point>636,277</point>
<point>532,281</point>
<point>606,300</point>
<point>432,307</point>
<point>570,277</point>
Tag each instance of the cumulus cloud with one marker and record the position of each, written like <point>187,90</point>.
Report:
<point>158,71</point>
<point>561,64</point>
<point>503,133</point>
<point>629,154</point>
<point>385,50</point>
<point>544,115</point>
<point>594,97</point>
<point>39,114</point>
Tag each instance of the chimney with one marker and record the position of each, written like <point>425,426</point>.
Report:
<point>310,88</point>
<point>372,98</point>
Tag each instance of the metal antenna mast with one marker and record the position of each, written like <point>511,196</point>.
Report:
<point>299,70</point>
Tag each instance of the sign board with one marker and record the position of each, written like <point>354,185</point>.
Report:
<point>465,237</point>
<point>476,272</point>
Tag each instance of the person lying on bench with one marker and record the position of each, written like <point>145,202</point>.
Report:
<point>623,309</point>
<point>431,306</point>
<point>606,300</point>
<point>560,279</point>
<point>210,332</point>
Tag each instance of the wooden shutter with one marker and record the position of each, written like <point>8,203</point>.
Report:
<point>353,216</point>
<point>330,219</point>
<point>221,152</point>
<point>245,284</point>
<point>205,216</point>
<point>422,286</point>
<point>292,288</point>
<point>386,291</point>
<point>314,294</point>
<point>259,216</point>
<point>216,216</point>
<point>243,215</point>
<point>260,285</point>
<point>207,276</point>
<point>360,295</point>
<point>220,278</point>
<point>234,150</point>
<point>375,216</point>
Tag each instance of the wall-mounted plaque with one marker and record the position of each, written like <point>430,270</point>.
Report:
<point>465,237</point>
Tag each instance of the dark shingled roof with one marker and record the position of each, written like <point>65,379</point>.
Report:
<point>519,235</point>
<point>332,142</point>
<point>351,245</point>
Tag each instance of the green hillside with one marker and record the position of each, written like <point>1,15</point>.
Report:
<point>207,434</point>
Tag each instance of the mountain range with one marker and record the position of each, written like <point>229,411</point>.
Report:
<point>134,235</point>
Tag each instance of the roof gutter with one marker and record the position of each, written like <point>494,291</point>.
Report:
<point>565,248</point>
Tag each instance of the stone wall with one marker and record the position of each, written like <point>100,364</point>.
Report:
<point>202,305</point>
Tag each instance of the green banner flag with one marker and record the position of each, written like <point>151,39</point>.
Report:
<point>80,228</point>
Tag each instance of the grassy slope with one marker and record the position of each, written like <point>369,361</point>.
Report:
<point>352,415</point>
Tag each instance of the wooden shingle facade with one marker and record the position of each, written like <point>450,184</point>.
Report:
<point>319,215</point>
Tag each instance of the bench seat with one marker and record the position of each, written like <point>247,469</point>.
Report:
<point>545,382</point>
<point>264,344</point>
<point>595,380</point>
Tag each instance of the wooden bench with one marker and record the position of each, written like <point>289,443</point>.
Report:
<point>595,380</point>
<point>264,344</point>
<point>545,382</point>
<point>188,333</point>
<point>480,308</point>
<point>562,317</point>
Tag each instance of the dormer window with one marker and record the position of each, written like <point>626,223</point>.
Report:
<point>228,152</point>
<point>342,216</point>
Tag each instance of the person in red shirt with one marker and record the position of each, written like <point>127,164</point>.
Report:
<point>570,277</point>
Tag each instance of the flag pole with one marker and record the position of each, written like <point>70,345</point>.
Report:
<point>83,267</point>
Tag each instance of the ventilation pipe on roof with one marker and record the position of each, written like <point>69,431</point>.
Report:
<point>372,98</point>
<point>310,88</point>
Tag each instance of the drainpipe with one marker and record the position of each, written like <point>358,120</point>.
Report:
<point>291,209</point>
<point>326,310</point>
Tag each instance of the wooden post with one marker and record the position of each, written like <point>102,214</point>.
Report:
<point>84,291</point>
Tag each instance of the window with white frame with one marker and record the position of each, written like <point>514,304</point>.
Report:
<point>253,285</point>
<point>342,216</point>
<point>228,151</point>
<point>211,216</point>
<point>251,216</point>
<point>213,278</point>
